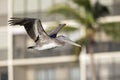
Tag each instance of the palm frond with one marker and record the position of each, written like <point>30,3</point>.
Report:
<point>83,42</point>
<point>112,30</point>
<point>66,29</point>
<point>67,11</point>
<point>89,19</point>
<point>100,10</point>
<point>84,3</point>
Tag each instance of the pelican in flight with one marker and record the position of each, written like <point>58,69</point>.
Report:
<point>36,32</point>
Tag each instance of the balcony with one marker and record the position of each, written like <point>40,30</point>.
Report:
<point>106,47</point>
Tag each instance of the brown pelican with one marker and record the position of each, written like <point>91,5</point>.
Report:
<point>42,39</point>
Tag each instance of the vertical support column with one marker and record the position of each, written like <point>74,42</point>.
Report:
<point>10,42</point>
<point>82,60</point>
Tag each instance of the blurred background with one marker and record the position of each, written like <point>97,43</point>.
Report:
<point>95,24</point>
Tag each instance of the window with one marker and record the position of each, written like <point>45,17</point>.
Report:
<point>45,74</point>
<point>4,76</point>
<point>19,46</point>
<point>3,44</point>
<point>75,73</point>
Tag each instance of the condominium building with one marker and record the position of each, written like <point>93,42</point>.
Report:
<point>18,63</point>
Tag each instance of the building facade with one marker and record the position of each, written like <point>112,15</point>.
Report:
<point>16,62</point>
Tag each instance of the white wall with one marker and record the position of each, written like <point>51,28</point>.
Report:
<point>3,37</point>
<point>3,7</point>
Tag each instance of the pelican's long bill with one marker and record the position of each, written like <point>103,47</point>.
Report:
<point>71,42</point>
<point>67,40</point>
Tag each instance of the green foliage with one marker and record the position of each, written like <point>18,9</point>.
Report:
<point>67,11</point>
<point>83,41</point>
<point>112,29</point>
<point>87,17</point>
<point>66,29</point>
<point>99,10</point>
<point>84,3</point>
<point>90,15</point>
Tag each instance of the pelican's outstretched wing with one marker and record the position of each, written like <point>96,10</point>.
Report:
<point>54,32</point>
<point>32,26</point>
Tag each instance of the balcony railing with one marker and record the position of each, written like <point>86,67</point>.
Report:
<point>25,53</point>
<point>105,47</point>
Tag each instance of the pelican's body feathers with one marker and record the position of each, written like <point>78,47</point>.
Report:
<point>36,32</point>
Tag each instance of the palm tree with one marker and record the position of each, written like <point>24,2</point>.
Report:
<point>112,29</point>
<point>86,14</point>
